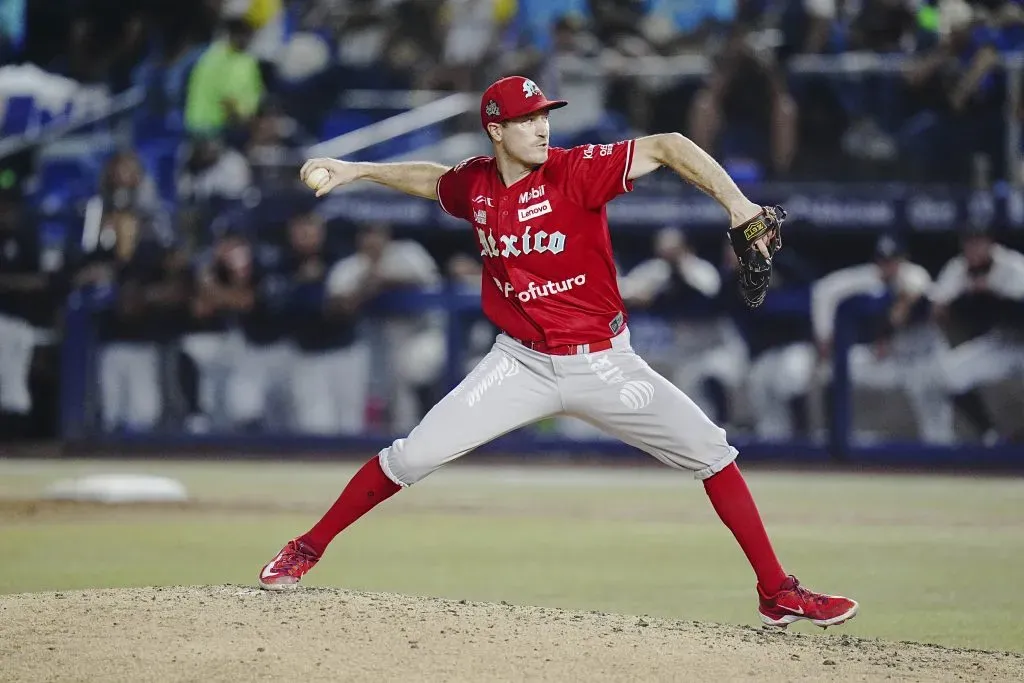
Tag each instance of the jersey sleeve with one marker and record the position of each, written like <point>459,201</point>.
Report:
<point>454,186</point>
<point>593,175</point>
<point>951,283</point>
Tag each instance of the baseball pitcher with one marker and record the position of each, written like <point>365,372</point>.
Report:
<point>538,215</point>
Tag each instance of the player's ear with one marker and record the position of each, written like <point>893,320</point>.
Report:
<point>494,131</point>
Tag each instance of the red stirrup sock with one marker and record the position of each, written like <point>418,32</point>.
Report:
<point>732,501</point>
<point>366,489</point>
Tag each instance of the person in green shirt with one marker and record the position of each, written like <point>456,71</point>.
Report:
<point>225,87</point>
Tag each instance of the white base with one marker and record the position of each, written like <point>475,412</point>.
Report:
<point>119,488</point>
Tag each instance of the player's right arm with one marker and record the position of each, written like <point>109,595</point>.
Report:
<point>416,178</point>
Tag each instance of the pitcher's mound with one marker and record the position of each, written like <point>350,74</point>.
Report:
<point>238,633</point>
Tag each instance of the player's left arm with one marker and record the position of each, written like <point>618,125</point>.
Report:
<point>695,166</point>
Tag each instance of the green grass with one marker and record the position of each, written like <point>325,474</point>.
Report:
<point>931,559</point>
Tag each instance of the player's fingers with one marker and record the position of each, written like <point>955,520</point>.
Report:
<point>327,187</point>
<point>306,168</point>
<point>760,244</point>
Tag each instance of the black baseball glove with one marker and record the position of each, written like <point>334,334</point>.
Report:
<point>755,271</point>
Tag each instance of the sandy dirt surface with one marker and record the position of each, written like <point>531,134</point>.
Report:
<point>236,633</point>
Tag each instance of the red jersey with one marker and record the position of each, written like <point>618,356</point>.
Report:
<point>548,269</point>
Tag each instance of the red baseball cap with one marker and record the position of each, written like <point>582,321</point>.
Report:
<point>511,97</point>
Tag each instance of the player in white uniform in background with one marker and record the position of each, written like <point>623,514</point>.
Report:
<point>902,355</point>
<point>332,365</point>
<point>414,343</point>
<point>704,344</point>
<point>985,284</point>
<point>781,348</point>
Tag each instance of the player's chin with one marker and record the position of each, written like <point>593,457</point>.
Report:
<point>540,155</point>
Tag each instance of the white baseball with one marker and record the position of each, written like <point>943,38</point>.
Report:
<point>317,178</point>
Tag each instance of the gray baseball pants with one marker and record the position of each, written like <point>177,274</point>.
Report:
<point>514,386</point>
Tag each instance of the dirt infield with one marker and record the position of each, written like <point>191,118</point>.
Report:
<point>236,633</point>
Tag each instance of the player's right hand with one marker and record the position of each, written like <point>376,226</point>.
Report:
<point>339,173</point>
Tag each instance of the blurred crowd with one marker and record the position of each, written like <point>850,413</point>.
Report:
<point>731,74</point>
<point>215,320</point>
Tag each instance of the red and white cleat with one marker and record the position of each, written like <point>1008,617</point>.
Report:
<point>793,602</point>
<point>284,571</point>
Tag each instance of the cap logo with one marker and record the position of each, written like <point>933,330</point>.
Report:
<point>530,89</point>
<point>493,109</point>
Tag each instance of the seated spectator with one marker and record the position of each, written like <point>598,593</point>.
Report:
<point>210,175</point>
<point>902,347</point>
<point>212,171</point>
<point>145,289</point>
<point>272,150</point>
<point>225,86</point>
<point>331,381</point>
<point>982,291</point>
<point>733,104</point>
<point>125,186</point>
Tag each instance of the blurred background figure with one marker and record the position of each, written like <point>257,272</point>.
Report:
<point>902,344</point>
<point>130,267</point>
<point>31,290</point>
<point>979,298</point>
<point>413,343</point>
<point>259,387</point>
<point>210,343</point>
<point>126,186</point>
<point>226,85</point>
<point>781,347</point>
<point>331,381</point>
<point>464,273</point>
<point>746,101</point>
<point>706,356</point>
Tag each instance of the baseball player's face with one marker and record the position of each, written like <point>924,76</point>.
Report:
<point>525,139</point>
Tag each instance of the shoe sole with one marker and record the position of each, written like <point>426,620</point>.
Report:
<point>280,587</point>
<point>823,623</point>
